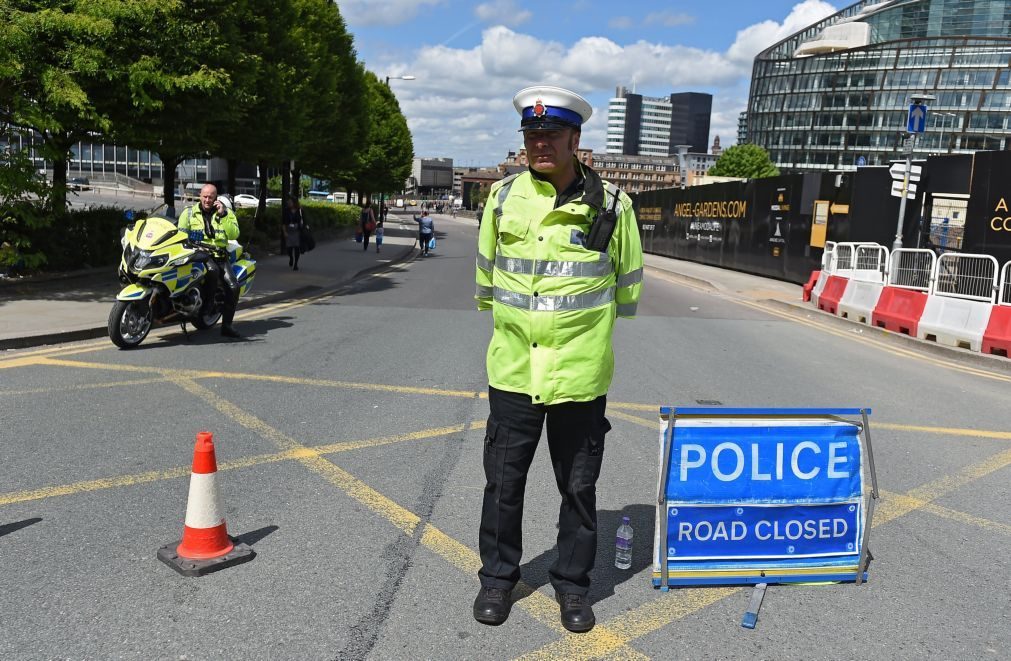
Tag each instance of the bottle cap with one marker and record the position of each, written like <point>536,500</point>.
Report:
<point>625,519</point>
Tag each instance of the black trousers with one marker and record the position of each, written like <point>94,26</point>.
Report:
<point>576,442</point>
<point>222,273</point>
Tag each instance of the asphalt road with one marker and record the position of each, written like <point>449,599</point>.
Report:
<point>349,436</point>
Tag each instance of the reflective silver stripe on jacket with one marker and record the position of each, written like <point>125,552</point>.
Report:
<point>484,292</point>
<point>484,263</point>
<point>612,191</point>
<point>630,278</point>
<point>627,309</point>
<point>552,303</point>
<point>503,193</point>
<point>598,269</point>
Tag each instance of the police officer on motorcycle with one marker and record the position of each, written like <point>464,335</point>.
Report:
<point>214,223</point>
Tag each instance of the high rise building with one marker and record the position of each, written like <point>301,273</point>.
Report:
<point>689,123</point>
<point>836,94</point>
<point>742,127</point>
<point>640,125</point>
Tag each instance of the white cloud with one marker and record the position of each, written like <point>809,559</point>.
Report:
<point>502,12</point>
<point>363,13</point>
<point>755,38</point>
<point>669,19</point>
<point>461,102</point>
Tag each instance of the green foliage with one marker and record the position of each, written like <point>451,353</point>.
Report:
<point>24,203</point>
<point>748,161</point>
<point>327,220</point>
<point>274,186</point>
<point>254,82</point>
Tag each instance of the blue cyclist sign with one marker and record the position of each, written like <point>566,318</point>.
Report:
<point>762,495</point>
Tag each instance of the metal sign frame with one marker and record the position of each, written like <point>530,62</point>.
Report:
<point>670,415</point>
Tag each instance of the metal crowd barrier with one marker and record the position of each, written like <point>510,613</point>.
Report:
<point>971,277</point>
<point>911,268</point>
<point>871,263</point>
<point>1005,285</point>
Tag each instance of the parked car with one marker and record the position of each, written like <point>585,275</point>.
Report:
<point>245,200</point>
<point>274,201</point>
<point>78,183</point>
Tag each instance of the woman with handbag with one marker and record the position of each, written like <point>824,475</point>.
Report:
<point>367,223</point>
<point>293,224</point>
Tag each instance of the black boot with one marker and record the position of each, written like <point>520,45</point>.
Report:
<point>492,606</point>
<point>228,331</point>
<point>577,616</point>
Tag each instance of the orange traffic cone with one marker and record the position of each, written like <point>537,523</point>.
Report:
<point>205,546</point>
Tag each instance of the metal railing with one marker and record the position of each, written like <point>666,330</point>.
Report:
<point>871,262</point>
<point>844,261</point>
<point>1005,285</point>
<point>972,277</point>
<point>911,268</point>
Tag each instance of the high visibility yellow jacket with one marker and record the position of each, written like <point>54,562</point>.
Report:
<point>554,301</point>
<point>225,227</point>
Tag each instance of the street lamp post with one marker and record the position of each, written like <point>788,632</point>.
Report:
<point>388,78</point>
<point>382,194</point>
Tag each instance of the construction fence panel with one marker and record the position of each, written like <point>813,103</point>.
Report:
<point>871,263</point>
<point>970,277</point>
<point>911,268</point>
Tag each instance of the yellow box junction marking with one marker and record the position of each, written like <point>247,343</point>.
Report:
<point>604,639</point>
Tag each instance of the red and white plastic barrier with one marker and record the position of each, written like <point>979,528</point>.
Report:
<point>865,286</point>
<point>997,336</point>
<point>953,300</point>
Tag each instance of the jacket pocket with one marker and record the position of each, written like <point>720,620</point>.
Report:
<point>512,226</point>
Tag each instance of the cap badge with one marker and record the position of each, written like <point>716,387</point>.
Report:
<point>539,108</point>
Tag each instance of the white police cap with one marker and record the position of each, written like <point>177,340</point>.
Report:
<point>547,108</point>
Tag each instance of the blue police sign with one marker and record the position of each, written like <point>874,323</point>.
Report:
<point>761,495</point>
<point>917,120</point>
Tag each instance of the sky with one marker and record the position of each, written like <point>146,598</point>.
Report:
<point>470,58</point>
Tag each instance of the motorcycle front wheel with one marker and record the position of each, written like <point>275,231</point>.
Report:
<point>129,323</point>
<point>204,321</point>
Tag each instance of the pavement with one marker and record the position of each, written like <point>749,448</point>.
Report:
<point>74,306</point>
<point>50,309</point>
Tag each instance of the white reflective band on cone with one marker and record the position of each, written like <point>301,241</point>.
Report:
<point>202,508</point>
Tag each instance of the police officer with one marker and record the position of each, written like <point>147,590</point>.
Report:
<point>212,222</point>
<point>558,260</point>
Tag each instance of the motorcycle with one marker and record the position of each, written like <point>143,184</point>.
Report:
<point>164,270</point>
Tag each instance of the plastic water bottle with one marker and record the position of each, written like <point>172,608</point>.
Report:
<point>623,545</point>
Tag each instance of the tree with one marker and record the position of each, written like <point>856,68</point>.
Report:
<point>385,157</point>
<point>338,114</point>
<point>748,161</point>
<point>181,60</point>
<point>53,54</point>
<point>24,207</point>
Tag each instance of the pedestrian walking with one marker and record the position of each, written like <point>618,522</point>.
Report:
<point>293,222</point>
<point>426,232</point>
<point>379,235</point>
<point>558,259</point>
<point>367,223</point>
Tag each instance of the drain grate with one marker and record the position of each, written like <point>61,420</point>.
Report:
<point>709,402</point>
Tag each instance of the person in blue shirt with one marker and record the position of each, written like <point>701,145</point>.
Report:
<point>426,230</point>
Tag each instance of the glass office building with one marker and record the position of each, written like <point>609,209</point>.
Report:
<point>836,95</point>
